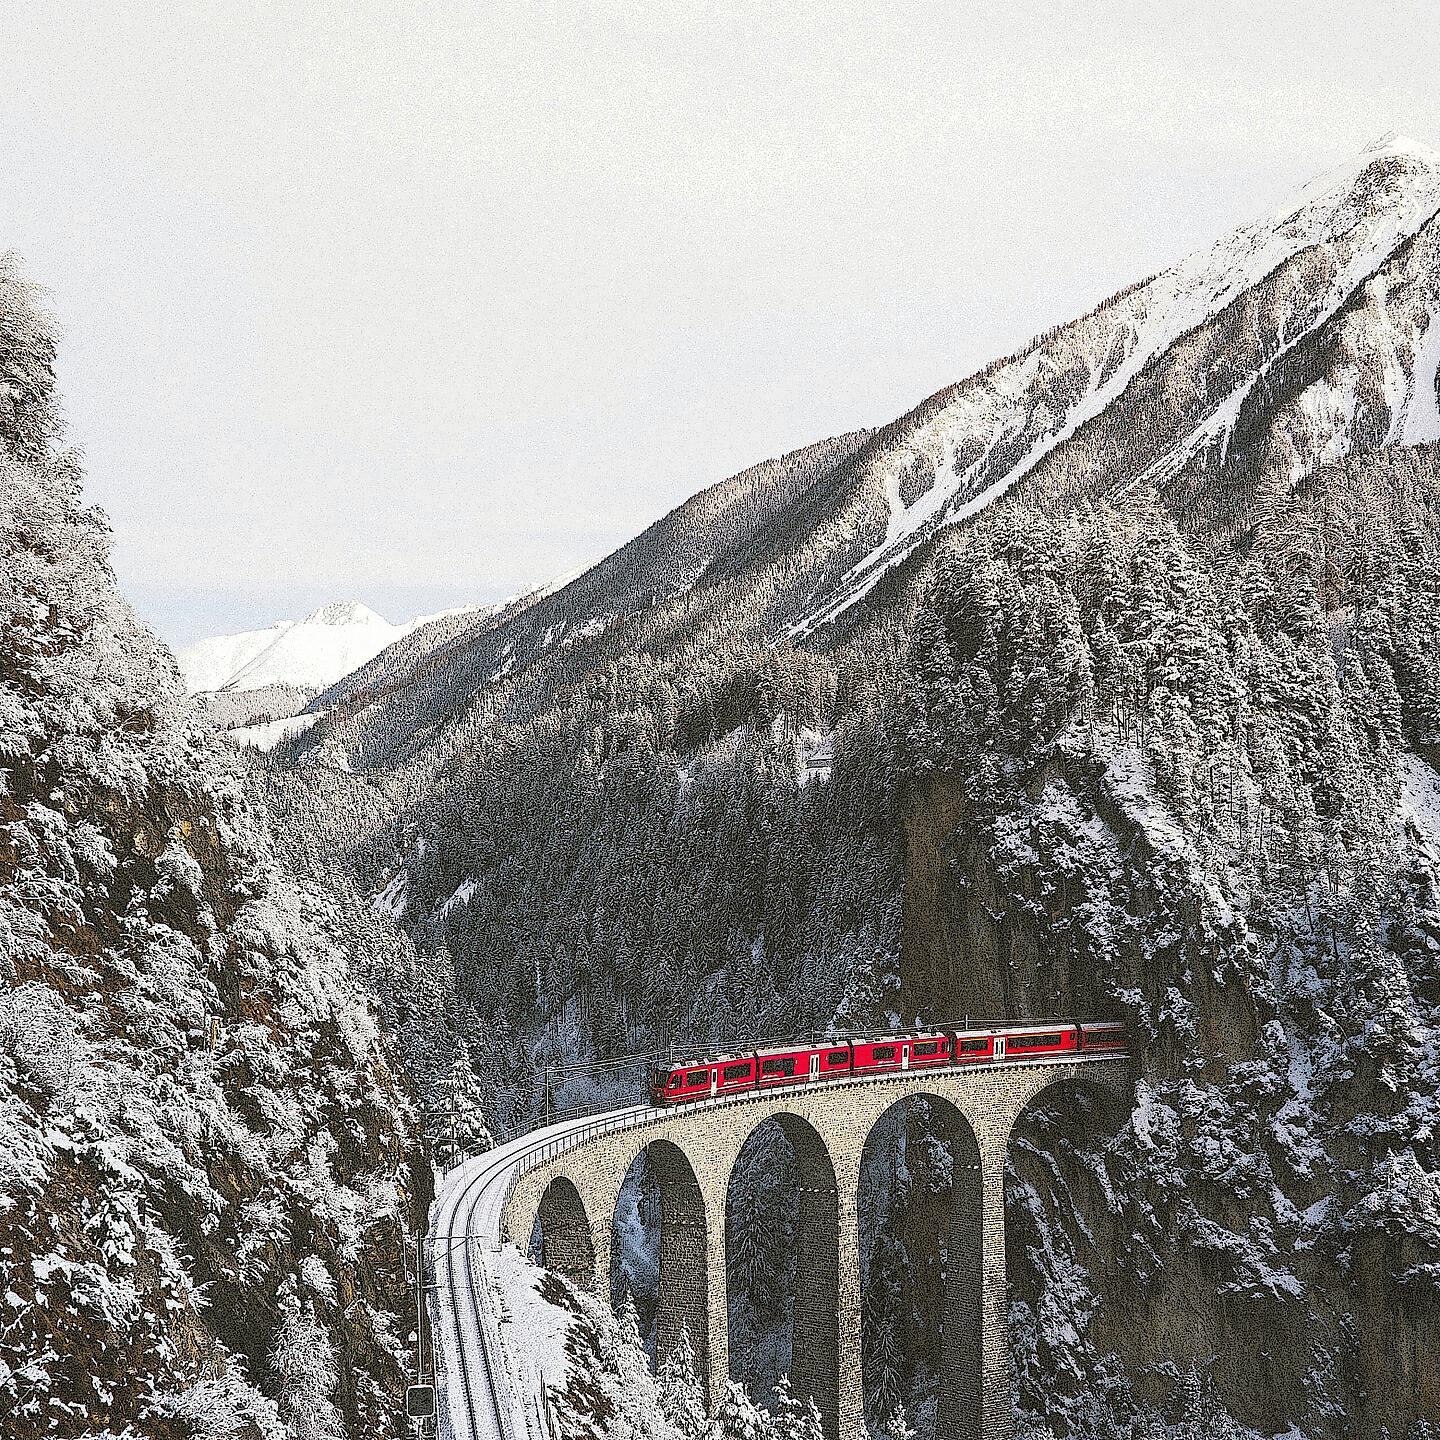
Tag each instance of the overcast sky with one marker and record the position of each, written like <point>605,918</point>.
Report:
<point>423,304</point>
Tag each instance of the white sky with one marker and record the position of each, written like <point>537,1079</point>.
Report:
<point>423,303</point>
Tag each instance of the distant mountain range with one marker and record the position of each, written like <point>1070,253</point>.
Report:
<point>254,684</point>
<point>1218,384</point>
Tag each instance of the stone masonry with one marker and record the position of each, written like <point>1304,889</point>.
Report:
<point>693,1150</point>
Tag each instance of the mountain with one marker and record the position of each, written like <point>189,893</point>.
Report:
<point>207,1144</point>
<point>1122,653</point>
<point>254,685</point>
<point>306,654</point>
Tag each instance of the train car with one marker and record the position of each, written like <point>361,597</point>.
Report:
<point>768,1069</point>
<point>1103,1035</point>
<point>934,1049</point>
<point>901,1052</point>
<point>700,1079</point>
<point>968,1046</point>
<point>797,1067</point>
<point>1055,1038</point>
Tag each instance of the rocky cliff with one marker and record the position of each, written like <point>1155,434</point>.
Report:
<point>205,1182</point>
<point>1194,787</point>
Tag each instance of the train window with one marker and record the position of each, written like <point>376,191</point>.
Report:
<point>675,1082</point>
<point>735,1072</point>
<point>697,1077</point>
<point>778,1066</point>
<point>928,1047</point>
<point>1031,1042</point>
<point>837,1057</point>
<point>883,1052</point>
<point>974,1047</point>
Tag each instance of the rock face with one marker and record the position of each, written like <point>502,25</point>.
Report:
<point>204,1152</point>
<point>1196,789</point>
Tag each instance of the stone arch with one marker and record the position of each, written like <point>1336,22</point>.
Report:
<point>815,1317</point>
<point>1104,1090</point>
<point>682,1288</point>
<point>566,1244</point>
<point>939,1145</point>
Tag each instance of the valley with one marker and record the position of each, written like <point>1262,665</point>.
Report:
<point>1102,685</point>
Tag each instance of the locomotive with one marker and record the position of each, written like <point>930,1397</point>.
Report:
<point>734,1074</point>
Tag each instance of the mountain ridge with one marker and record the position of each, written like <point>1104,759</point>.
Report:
<point>889,492</point>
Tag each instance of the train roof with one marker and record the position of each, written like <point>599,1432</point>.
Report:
<point>713,1057</point>
<point>890,1037</point>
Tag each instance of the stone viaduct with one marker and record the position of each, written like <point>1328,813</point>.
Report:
<point>692,1151</point>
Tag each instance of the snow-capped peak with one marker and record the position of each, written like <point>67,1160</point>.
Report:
<point>308,654</point>
<point>344,612</point>
<point>1394,143</point>
<point>957,457</point>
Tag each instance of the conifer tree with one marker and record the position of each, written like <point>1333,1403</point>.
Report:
<point>681,1394</point>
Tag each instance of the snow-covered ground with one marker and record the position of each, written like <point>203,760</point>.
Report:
<point>272,732</point>
<point>491,1374</point>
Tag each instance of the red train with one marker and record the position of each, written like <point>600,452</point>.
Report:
<point>916,1050</point>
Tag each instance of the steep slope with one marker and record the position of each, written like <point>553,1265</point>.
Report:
<point>599,809</point>
<point>1226,377</point>
<point>1197,789</point>
<point>1222,381</point>
<point>205,1180</point>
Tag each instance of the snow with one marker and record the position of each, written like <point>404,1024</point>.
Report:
<point>1395,374</point>
<point>1422,415</point>
<point>270,734</point>
<point>532,1330</point>
<point>310,654</point>
<point>210,664</point>
<point>393,899</point>
<point>1420,799</point>
<point>459,896</point>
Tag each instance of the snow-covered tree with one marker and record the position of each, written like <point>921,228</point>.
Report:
<point>897,1424</point>
<point>681,1394</point>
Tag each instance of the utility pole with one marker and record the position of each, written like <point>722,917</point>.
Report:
<point>419,1304</point>
<point>420,1397</point>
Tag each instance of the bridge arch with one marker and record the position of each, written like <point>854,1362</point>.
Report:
<point>812,1261</point>
<point>920,1249</point>
<point>691,1154</point>
<point>682,1285</point>
<point>561,1238</point>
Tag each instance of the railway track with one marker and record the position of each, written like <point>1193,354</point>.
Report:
<point>478,1397</point>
